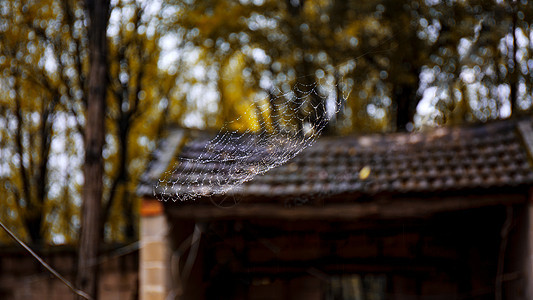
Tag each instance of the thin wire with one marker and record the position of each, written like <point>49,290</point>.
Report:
<point>42,262</point>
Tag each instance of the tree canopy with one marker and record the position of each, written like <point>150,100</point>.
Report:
<point>397,64</point>
<point>43,100</point>
<point>462,61</point>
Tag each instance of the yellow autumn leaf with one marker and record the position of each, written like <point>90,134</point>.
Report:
<point>364,173</point>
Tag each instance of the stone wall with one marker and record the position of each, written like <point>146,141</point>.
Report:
<point>22,277</point>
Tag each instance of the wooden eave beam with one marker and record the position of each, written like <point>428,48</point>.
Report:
<point>385,209</point>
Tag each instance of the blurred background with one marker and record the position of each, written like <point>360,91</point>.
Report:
<point>399,66</point>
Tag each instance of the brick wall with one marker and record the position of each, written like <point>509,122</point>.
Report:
<point>22,277</point>
<point>154,255</point>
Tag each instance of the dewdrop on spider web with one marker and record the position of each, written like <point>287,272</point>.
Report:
<point>232,158</point>
<point>291,122</point>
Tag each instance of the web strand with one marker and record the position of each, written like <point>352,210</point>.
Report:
<point>216,166</point>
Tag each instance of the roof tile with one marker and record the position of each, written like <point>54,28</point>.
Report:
<point>487,156</point>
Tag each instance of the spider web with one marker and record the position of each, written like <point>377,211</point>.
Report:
<point>214,167</point>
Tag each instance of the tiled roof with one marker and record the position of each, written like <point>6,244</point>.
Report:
<point>493,155</point>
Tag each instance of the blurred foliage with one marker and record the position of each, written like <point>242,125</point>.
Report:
<point>458,57</point>
<point>43,88</point>
<point>400,65</point>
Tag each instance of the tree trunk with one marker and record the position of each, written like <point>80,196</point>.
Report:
<point>513,97</point>
<point>90,238</point>
<point>406,101</point>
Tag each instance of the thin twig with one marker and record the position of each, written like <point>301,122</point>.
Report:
<point>193,252</point>
<point>191,242</point>
<point>42,262</point>
<point>506,229</point>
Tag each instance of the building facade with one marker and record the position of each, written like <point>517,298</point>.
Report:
<point>444,214</point>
